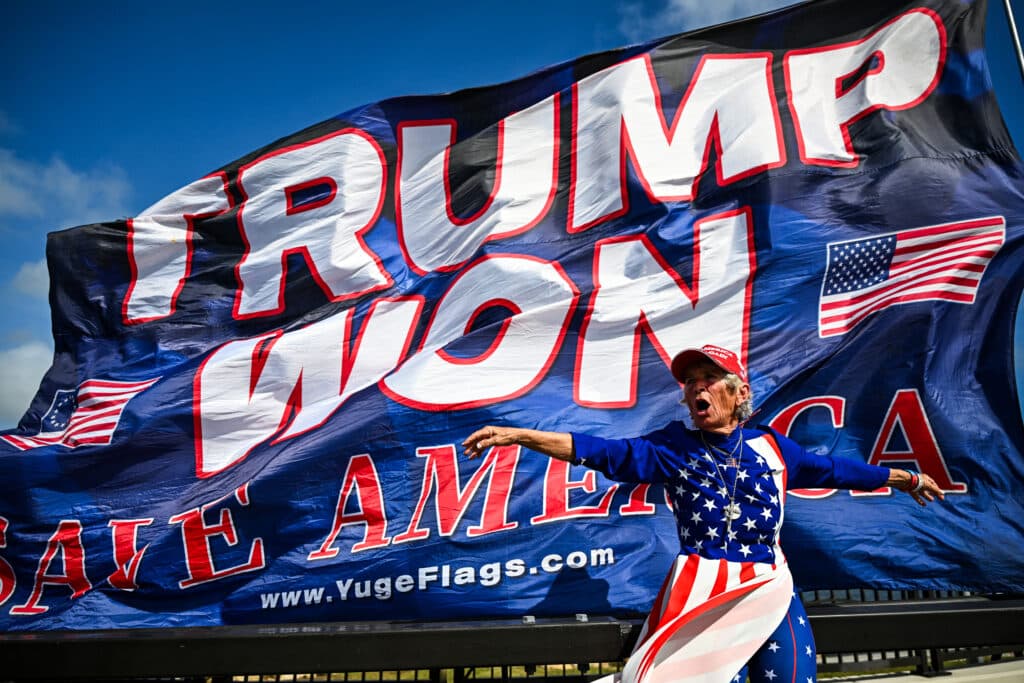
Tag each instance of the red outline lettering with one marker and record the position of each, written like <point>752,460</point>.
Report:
<point>359,235</point>
<point>67,539</point>
<point>190,220</point>
<point>669,130</point>
<point>127,556</point>
<point>845,126</point>
<point>458,221</point>
<point>783,422</point>
<point>360,476</point>
<point>542,372</point>
<point>196,535</point>
<point>643,327</point>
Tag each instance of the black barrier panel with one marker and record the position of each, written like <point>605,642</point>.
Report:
<point>340,647</point>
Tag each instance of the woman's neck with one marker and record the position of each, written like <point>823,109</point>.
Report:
<point>725,432</point>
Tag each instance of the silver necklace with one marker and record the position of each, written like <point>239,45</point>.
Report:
<point>732,510</point>
<point>730,461</point>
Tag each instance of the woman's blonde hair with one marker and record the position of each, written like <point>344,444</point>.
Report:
<point>745,409</point>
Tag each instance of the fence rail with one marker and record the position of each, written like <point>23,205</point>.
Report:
<point>840,627</point>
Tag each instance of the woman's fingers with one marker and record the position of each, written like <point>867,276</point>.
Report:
<point>485,437</point>
<point>929,491</point>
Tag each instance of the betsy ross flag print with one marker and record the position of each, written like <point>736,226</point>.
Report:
<point>938,263</point>
<point>86,416</point>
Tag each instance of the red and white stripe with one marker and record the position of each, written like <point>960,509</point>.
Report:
<point>711,616</point>
<point>766,447</point>
<point>938,263</point>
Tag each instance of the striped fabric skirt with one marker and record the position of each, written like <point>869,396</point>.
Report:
<point>709,618</point>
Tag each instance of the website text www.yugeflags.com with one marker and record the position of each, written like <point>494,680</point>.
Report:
<point>442,576</point>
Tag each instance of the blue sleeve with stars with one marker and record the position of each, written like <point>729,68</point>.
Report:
<point>652,458</point>
<point>807,470</point>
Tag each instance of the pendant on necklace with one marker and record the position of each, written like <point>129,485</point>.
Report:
<point>732,511</point>
<point>732,462</point>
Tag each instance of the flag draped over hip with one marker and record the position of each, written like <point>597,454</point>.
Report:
<point>709,618</point>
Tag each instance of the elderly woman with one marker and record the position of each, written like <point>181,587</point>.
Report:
<point>727,608</point>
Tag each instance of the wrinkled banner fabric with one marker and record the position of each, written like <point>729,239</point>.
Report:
<point>260,382</point>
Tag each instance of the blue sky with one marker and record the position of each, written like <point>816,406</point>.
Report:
<point>109,106</point>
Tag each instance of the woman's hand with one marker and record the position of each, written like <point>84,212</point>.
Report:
<point>919,485</point>
<point>557,445</point>
<point>486,437</point>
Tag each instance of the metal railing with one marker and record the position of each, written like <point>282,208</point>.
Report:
<point>854,631</point>
<point>930,661</point>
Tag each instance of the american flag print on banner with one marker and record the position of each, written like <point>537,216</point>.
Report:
<point>86,416</point>
<point>937,263</point>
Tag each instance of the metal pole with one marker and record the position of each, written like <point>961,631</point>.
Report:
<point>1015,36</point>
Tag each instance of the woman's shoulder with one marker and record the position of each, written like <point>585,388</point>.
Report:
<point>674,431</point>
<point>679,428</point>
<point>760,431</point>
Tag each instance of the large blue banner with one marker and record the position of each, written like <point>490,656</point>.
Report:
<point>261,382</point>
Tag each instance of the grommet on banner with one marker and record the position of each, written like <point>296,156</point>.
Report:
<point>582,618</point>
<point>529,619</point>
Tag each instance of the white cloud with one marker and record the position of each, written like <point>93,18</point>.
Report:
<point>638,23</point>
<point>21,370</point>
<point>58,194</point>
<point>33,279</point>
<point>16,181</point>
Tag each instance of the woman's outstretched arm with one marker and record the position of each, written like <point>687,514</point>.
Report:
<point>557,445</point>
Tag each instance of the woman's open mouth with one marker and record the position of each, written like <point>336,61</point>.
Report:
<point>701,404</point>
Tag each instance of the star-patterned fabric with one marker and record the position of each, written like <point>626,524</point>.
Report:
<point>709,489</point>
<point>788,655</point>
<point>728,497</point>
<point>695,469</point>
